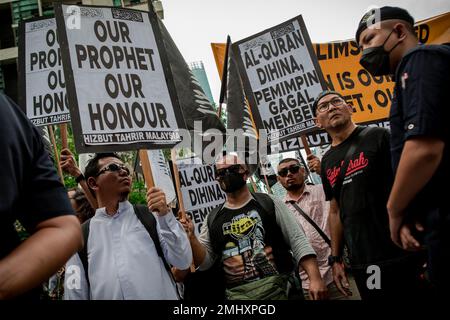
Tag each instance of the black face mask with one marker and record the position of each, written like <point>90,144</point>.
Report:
<point>232,182</point>
<point>376,59</point>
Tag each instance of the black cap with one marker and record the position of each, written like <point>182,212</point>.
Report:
<point>320,96</point>
<point>382,14</point>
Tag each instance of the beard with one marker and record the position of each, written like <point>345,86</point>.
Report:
<point>294,187</point>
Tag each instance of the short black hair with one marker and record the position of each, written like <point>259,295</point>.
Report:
<point>385,13</point>
<point>92,166</point>
<point>289,160</point>
<point>320,96</point>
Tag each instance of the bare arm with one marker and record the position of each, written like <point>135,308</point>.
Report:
<point>309,264</point>
<point>419,161</point>
<point>198,250</point>
<point>337,243</point>
<point>314,163</point>
<point>40,256</point>
<point>317,288</point>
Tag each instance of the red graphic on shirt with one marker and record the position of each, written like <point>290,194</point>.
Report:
<point>354,165</point>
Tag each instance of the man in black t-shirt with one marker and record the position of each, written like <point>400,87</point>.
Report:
<point>32,194</point>
<point>358,202</point>
<point>420,133</point>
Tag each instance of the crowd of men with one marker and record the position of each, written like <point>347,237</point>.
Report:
<point>380,210</point>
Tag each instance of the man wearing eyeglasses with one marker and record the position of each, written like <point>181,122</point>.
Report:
<point>358,200</point>
<point>121,257</point>
<point>251,241</point>
<point>309,200</point>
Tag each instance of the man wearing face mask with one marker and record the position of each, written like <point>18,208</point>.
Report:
<point>251,236</point>
<point>417,204</point>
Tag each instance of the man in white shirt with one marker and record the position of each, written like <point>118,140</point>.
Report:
<point>123,262</point>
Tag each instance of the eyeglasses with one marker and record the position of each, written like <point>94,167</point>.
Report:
<point>113,167</point>
<point>221,173</point>
<point>292,169</point>
<point>325,106</point>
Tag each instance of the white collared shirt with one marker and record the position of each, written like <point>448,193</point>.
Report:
<point>122,258</point>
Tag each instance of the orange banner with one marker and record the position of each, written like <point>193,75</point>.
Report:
<point>370,96</point>
<point>219,55</point>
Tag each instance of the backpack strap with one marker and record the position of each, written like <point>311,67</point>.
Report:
<point>264,202</point>
<point>145,217</point>
<point>83,252</point>
<point>148,220</point>
<point>212,215</point>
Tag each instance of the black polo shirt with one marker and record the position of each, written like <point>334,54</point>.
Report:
<point>421,108</point>
<point>30,189</point>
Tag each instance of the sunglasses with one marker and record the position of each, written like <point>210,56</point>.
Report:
<point>114,167</point>
<point>221,173</point>
<point>292,169</point>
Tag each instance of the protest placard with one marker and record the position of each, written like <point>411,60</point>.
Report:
<point>119,84</point>
<point>161,174</point>
<point>201,192</point>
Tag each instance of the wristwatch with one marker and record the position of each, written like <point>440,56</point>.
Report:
<point>79,178</point>
<point>333,259</point>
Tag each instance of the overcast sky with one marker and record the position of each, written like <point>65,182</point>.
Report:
<point>194,24</point>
